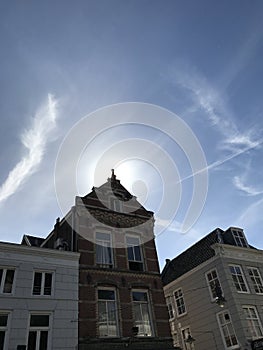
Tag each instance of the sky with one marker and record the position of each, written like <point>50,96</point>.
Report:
<point>65,63</point>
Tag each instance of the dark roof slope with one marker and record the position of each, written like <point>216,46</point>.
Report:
<point>190,258</point>
<point>32,241</point>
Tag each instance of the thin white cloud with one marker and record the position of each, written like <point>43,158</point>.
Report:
<point>218,113</point>
<point>34,140</point>
<point>249,190</point>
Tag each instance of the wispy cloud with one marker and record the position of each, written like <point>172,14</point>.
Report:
<point>34,140</point>
<point>239,183</point>
<point>217,111</point>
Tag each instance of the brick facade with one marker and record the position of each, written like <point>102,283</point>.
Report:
<point>92,214</point>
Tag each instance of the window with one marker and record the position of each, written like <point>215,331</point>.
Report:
<point>6,280</point>
<point>169,303</point>
<point>214,284</point>
<point>42,283</point>
<point>134,253</point>
<point>115,204</point>
<point>254,324</point>
<point>104,250</point>
<point>38,332</point>
<point>238,278</point>
<point>175,336</point>
<point>185,334</point>
<point>256,279</point>
<point>3,329</point>
<point>227,330</point>
<point>239,238</point>
<point>179,301</point>
<point>141,311</point>
<point>107,309</point>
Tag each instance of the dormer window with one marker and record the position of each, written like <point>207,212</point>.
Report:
<point>115,204</point>
<point>239,238</point>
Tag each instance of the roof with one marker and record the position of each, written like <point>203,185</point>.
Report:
<point>190,258</point>
<point>99,196</point>
<point>197,254</point>
<point>32,241</point>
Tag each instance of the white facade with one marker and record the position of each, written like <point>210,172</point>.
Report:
<point>38,298</point>
<point>193,310</point>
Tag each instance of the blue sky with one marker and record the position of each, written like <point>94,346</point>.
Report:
<point>202,60</point>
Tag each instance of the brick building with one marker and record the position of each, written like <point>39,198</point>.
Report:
<point>121,299</point>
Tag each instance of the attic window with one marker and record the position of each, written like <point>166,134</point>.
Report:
<point>115,204</point>
<point>239,238</point>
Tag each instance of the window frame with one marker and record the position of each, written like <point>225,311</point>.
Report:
<point>134,262</point>
<point>227,325</point>
<point>239,238</point>
<point>255,283</point>
<point>170,307</point>
<point>177,306</point>
<point>214,280</point>
<point>149,311</point>
<point>6,328</point>
<point>116,312</point>
<point>3,281</point>
<point>104,247</point>
<point>39,329</point>
<point>43,280</point>
<point>247,291</point>
<point>115,204</point>
<point>252,321</point>
<point>184,337</point>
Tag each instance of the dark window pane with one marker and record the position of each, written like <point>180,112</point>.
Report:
<point>37,283</point>
<point>2,340</point>
<point>48,284</point>
<point>3,320</point>
<point>137,252</point>
<point>43,340</point>
<point>39,321</point>
<point>9,281</point>
<point>135,266</point>
<point>130,253</point>
<point>139,296</point>
<point>32,338</point>
<point>1,274</point>
<point>104,294</point>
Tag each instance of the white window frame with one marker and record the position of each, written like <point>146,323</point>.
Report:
<point>134,260</point>
<point>212,283</point>
<point>42,287</point>
<point>253,322</point>
<point>239,238</point>
<point>170,307</point>
<point>238,276</point>
<point>179,299</point>
<point>6,328</point>
<point>227,325</point>
<point>39,329</point>
<point>116,311</point>
<point>129,245</point>
<point>149,310</point>
<point>116,204</point>
<point>185,332</point>
<point>3,279</point>
<point>256,279</point>
<point>106,244</point>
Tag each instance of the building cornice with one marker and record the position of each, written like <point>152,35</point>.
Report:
<point>13,248</point>
<point>239,253</point>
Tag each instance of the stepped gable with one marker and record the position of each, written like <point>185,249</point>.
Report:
<point>101,197</point>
